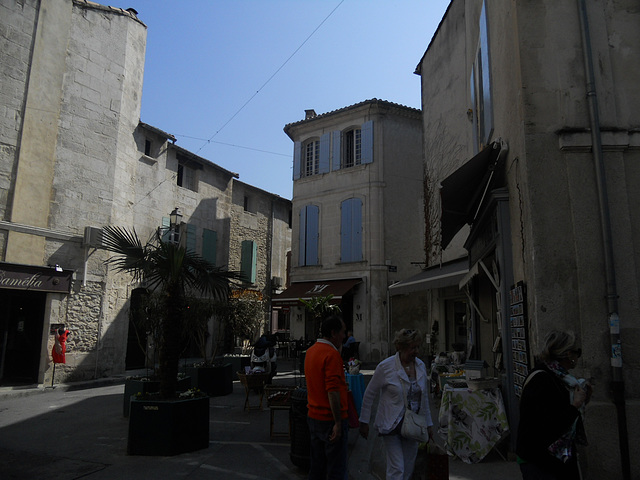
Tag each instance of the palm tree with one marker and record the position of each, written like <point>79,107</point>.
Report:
<point>320,308</point>
<point>175,273</point>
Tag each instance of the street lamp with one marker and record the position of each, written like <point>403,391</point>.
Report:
<point>175,218</point>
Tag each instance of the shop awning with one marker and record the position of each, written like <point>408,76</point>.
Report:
<point>462,192</point>
<point>319,288</point>
<point>439,276</point>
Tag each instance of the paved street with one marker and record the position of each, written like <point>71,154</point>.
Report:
<point>70,433</point>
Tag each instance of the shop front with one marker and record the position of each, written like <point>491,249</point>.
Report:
<point>303,325</point>
<point>23,329</point>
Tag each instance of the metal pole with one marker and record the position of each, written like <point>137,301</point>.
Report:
<point>613,321</point>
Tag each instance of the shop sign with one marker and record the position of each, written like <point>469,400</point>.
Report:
<point>37,279</point>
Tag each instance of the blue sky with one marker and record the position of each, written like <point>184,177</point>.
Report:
<point>226,76</point>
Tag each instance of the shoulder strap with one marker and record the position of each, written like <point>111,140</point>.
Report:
<point>530,377</point>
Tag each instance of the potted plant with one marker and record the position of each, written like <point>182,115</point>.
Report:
<point>173,272</point>
<point>320,308</point>
<point>145,314</point>
<point>211,374</point>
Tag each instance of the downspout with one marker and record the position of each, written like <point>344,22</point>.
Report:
<point>617,382</point>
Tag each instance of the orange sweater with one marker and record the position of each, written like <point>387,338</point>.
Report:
<point>324,373</point>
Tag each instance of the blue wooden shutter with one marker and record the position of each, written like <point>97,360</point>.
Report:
<point>165,231</point>
<point>356,235</point>
<point>351,230</point>
<point>336,153</point>
<point>248,261</point>
<point>325,151</point>
<point>209,245</point>
<point>367,142</point>
<point>487,120</point>
<point>297,150</point>
<point>313,234</point>
<point>345,231</point>
<point>191,238</point>
<point>302,240</point>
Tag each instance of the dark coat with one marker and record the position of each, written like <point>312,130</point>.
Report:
<point>545,414</point>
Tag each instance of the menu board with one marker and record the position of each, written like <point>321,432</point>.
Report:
<point>519,339</point>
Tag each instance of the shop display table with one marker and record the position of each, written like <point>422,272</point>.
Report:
<point>356,385</point>
<point>472,422</point>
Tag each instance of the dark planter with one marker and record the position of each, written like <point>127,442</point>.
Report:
<point>134,385</point>
<point>215,381</point>
<point>168,427</point>
<point>238,362</point>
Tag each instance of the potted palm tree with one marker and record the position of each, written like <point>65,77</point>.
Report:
<point>167,423</point>
<point>211,374</point>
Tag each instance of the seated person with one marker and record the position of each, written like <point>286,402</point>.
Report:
<point>347,349</point>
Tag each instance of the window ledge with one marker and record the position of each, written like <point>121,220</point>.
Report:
<point>148,160</point>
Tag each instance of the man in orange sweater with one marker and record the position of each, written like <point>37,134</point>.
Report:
<point>327,403</point>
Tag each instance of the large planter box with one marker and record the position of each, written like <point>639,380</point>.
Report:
<point>168,427</point>
<point>215,381</point>
<point>238,362</point>
<point>132,386</point>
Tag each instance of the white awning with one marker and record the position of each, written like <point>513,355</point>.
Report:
<point>439,276</point>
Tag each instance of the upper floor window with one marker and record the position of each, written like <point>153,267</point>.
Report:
<point>309,235</point>
<point>352,154</point>
<point>480,86</point>
<point>187,174</point>
<point>351,230</point>
<point>311,158</point>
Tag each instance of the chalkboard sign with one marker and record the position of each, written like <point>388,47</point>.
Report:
<point>519,338</point>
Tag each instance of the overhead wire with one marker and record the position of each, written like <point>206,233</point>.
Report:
<point>270,78</point>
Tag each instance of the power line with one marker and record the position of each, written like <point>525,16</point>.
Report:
<point>234,145</point>
<point>271,77</point>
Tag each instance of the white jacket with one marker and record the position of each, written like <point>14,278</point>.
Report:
<point>386,382</point>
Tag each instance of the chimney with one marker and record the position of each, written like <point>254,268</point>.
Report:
<point>309,114</point>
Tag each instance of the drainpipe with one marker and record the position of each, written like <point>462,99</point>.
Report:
<point>617,382</point>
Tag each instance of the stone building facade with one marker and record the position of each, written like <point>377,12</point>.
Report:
<point>357,216</point>
<point>531,107</point>
<point>75,157</point>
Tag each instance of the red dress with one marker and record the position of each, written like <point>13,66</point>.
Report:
<point>60,348</point>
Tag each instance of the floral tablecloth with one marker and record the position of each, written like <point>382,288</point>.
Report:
<point>472,423</point>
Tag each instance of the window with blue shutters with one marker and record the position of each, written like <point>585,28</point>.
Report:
<point>311,152</point>
<point>480,85</point>
<point>248,261</point>
<point>351,230</point>
<point>209,245</point>
<point>190,241</point>
<point>309,235</point>
<point>165,229</point>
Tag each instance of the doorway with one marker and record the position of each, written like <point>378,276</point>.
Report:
<point>21,325</point>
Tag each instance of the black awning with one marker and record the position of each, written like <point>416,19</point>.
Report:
<point>438,276</point>
<point>462,192</point>
<point>319,288</point>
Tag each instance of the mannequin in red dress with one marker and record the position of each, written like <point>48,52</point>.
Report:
<point>60,346</point>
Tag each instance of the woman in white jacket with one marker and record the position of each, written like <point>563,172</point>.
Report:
<point>400,380</point>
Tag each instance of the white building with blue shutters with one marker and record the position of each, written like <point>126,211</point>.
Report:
<point>357,216</point>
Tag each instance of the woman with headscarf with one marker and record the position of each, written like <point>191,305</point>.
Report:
<point>401,382</point>
<point>551,409</point>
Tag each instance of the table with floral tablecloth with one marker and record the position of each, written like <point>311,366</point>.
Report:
<point>472,422</point>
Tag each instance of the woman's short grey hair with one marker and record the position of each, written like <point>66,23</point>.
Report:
<point>558,345</point>
<point>406,337</point>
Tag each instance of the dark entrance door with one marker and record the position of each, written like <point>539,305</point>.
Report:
<point>21,323</point>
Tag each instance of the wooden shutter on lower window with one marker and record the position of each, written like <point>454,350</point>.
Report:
<point>191,238</point>
<point>209,245</point>
<point>248,261</point>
